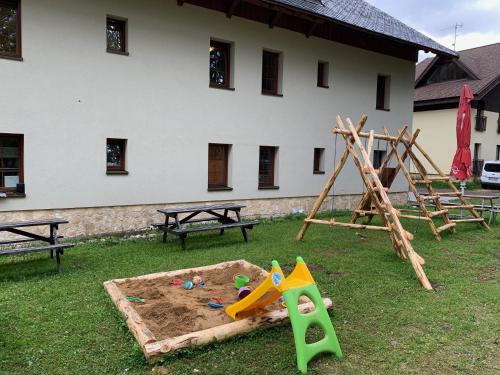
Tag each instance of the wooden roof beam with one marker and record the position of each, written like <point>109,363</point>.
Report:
<point>311,29</point>
<point>275,18</point>
<point>232,8</point>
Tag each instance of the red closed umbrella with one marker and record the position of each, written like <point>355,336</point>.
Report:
<point>461,168</point>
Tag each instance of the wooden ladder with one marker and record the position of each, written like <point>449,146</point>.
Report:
<point>442,209</point>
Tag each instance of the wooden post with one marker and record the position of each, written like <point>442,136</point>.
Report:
<point>414,258</point>
<point>328,185</point>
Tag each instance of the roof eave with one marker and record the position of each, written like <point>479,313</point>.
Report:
<point>324,18</point>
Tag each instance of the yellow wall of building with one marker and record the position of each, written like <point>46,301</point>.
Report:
<point>437,136</point>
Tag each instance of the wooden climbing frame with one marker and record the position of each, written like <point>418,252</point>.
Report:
<point>379,198</point>
<point>375,200</point>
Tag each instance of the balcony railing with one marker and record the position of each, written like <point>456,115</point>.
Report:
<point>481,123</point>
<point>477,167</point>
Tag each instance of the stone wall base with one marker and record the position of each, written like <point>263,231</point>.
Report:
<point>108,220</point>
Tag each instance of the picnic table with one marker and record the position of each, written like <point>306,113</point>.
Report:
<point>210,213</point>
<point>52,239</point>
<point>450,201</point>
<point>492,208</point>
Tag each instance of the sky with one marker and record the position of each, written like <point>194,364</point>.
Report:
<point>480,20</point>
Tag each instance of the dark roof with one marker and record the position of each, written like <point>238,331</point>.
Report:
<point>360,14</point>
<point>483,62</point>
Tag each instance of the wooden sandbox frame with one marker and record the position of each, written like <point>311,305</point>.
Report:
<point>154,348</point>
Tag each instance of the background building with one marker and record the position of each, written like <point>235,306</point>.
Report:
<point>438,83</point>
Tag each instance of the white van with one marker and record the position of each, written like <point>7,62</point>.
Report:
<point>490,176</point>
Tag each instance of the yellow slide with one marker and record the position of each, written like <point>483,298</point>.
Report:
<point>270,290</point>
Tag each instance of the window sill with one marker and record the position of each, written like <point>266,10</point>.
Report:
<point>117,52</point>
<point>122,173</point>
<point>271,94</point>
<point>8,57</point>
<point>269,187</point>
<point>323,87</point>
<point>220,188</point>
<point>222,88</point>
<point>318,172</point>
<point>383,109</point>
<point>11,194</point>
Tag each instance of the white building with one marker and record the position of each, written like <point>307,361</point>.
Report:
<point>113,109</point>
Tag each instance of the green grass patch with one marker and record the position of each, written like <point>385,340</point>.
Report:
<point>386,323</point>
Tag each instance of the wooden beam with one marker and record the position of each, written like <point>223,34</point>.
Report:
<point>347,225</point>
<point>135,323</point>
<point>232,8</point>
<point>275,18</point>
<point>311,29</point>
<point>364,134</point>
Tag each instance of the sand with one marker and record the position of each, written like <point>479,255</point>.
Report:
<point>170,310</point>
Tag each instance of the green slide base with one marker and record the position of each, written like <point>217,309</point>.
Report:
<point>301,322</point>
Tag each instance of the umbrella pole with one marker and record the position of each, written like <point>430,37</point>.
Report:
<point>462,187</point>
<point>462,191</point>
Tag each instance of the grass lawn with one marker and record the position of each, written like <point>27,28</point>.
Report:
<point>386,323</point>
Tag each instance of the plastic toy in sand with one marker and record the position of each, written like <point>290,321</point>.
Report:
<point>299,283</point>
<point>240,281</point>
<point>243,292</point>
<point>216,303</point>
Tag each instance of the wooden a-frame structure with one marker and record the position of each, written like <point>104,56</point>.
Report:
<point>400,238</point>
<point>375,200</point>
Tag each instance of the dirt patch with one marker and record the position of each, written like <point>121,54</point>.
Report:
<point>488,273</point>
<point>170,310</point>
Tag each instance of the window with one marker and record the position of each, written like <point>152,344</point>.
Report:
<point>319,161</point>
<point>267,167</point>
<point>220,64</point>
<point>11,161</point>
<point>116,35</point>
<point>498,153</point>
<point>323,74</point>
<point>383,91</point>
<point>378,158</point>
<point>10,29</point>
<point>218,166</point>
<point>481,119</point>
<point>491,167</point>
<point>270,73</point>
<point>445,71</point>
<point>115,156</point>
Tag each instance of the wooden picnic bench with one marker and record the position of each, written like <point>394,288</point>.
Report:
<point>491,208</point>
<point>216,212</point>
<point>481,208</point>
<point>52,239</point>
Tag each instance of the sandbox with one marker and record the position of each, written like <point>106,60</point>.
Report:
<point>172,318</point>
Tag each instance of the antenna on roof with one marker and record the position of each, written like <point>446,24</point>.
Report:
<point>456,27</point>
